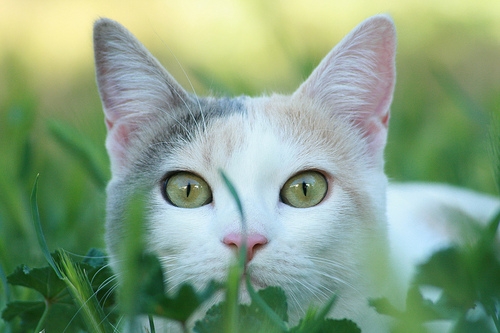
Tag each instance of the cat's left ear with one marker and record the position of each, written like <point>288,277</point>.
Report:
<point>134,89</point>
<point>357,79</point>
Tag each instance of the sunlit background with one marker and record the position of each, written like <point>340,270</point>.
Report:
<point>448,89</point>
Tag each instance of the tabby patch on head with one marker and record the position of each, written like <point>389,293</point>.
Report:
<point>308,169</point>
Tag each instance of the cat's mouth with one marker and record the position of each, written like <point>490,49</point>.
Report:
<point>254,281</point>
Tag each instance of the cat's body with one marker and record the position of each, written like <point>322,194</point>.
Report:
<point>324,142</point>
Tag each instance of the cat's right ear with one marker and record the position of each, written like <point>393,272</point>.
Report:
<point>133,86</point>
<point>356,79</point>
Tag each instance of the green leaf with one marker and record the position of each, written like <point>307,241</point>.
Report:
<point>314,321</point>
<point>28,312</point>
<point>326,326</point>
<point>154,301</point>
<point>251,318</point>
<point>212,322</point>
<point>95,258</point>
<point>447,269</point>
<point>383,306</point>
<point>58,310</point>
<point>59,317</point>
<point>272,303</point>
<point>44,280</point>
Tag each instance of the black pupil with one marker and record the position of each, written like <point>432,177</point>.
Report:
<point>188,190</point>
<point>304,188</point>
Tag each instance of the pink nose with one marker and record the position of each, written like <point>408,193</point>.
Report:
<point>254,242</point>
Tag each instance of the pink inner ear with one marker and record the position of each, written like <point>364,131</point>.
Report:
<point>385,119</point>
<point>117,143</point>
<point>109,124</point>
<point>358,77</point>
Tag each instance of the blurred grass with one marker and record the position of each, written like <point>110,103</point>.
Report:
<point>448,87</point>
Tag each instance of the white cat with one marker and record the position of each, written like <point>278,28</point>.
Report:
<point>308,168</point>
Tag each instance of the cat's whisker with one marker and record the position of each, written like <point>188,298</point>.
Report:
<point>333,263</point>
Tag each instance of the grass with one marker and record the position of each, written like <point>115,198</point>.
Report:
<point>447,88</point>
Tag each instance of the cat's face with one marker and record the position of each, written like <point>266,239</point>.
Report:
<point>308,168</point>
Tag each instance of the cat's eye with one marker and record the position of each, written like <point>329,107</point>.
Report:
<point>305,189</point>
<point>187,190</point>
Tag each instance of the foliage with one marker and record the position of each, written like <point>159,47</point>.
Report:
<point>466,279</point>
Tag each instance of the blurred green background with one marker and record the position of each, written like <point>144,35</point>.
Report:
<point>447,91</point>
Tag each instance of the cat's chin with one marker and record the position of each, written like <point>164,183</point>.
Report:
<point>256,282</point>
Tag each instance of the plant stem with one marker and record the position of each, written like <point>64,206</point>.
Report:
<point>41,322</point>
<point>151,324</point>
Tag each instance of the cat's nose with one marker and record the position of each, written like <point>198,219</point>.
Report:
<point>254,242</point>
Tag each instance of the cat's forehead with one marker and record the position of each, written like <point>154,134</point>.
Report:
<point>267,136</point>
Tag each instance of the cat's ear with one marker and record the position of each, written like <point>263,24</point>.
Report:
<point>357,79</point>
<point>134,87</point>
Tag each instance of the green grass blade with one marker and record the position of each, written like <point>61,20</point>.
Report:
<point>82,149</point>
<point>231,311</point>
<point>131,260</point>
<point>39,232</point>
<point>243,250</point>
<point>234,194</point>
<point>494,140</point>
<point>81,290</point>
<point>461,97</point>
<point>152,328</point>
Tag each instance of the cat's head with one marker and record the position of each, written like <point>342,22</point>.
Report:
<point>308,168</point>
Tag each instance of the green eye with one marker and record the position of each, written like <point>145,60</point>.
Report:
<point>186,190</point>
<point>304,190</point>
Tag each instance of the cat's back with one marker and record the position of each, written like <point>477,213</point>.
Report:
<point>423,217</point>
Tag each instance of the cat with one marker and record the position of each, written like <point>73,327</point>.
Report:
<point>321,218</point>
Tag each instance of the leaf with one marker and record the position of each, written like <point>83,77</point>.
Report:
<point>251,318</point>
<point>339,326</point>
<point>315,322</point>
<point>152,299</point>
<point>28,312</point>
<point>447,269</point>
<point>383,306</point>
<point>275,299</point>
<point>44,280</point>
<point>212,322</point>
<point>95,258</point>
<point>267,311</point>
<point>59,318</point>
<point>58,310</point>
<point>326,326</point>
